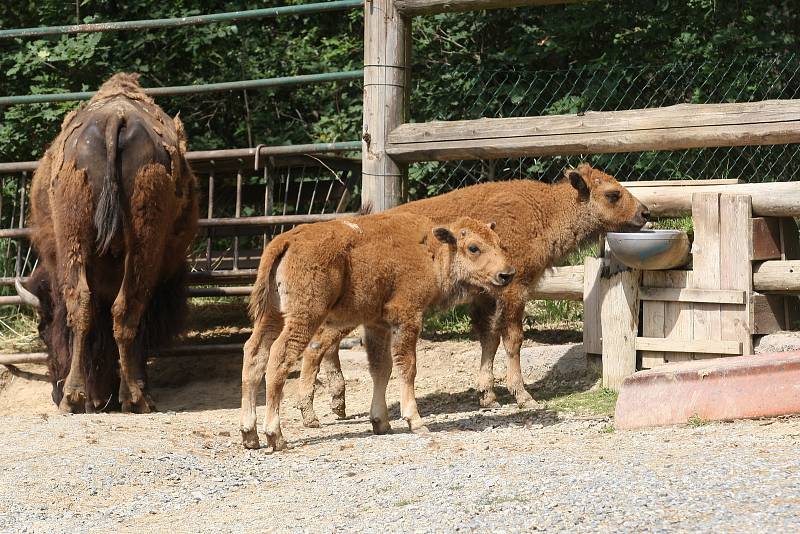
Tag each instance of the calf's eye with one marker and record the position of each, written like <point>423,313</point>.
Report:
<point>474,249</point>
<point>613,196</point>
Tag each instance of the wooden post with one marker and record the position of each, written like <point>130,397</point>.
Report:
<point>387,50</point>
<point>592,331</point>
<point>619,315</point>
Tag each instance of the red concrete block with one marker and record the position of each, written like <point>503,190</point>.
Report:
<point>741,387</point>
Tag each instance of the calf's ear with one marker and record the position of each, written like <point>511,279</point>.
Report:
<point>444,235</point>
<point>577,181</point>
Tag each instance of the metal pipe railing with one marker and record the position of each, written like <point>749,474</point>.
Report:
<point>195,20</point>
<point>258,220</point>
<point>232,153</point>
<point>263,83</point>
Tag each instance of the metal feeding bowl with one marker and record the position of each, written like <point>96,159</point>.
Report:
<point>650,250</point>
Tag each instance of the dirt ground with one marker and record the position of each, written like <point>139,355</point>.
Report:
<point>504,469</point>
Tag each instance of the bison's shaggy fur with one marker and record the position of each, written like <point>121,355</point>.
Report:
<point>113,210</point>
<point>538,224</point>
<point>382,271</point>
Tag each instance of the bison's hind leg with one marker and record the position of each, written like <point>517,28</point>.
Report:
<point>323,347</point>
<point>79,314</point>
<point>152,205</point>
<point>256,353</point>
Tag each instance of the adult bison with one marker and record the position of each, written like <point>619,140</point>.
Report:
<point>538,224</point>
<point>113,210</point>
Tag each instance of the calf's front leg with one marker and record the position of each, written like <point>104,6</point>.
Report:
<point>404,355</point>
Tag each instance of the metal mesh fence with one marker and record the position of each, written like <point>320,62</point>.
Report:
<point>482,92</point>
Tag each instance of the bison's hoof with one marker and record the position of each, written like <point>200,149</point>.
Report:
<point>250,439</point>
<point>142,405</point>
<point>338,409</point>
<point>73,400</point>
<point>380,426</point>
<point>276,441</point>
<point>489,404</point>
<point>530,404</point>
<point>311,423</point>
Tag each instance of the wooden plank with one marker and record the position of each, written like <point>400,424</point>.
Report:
<point>698,346</point>
<point>736,269</point>
<point>718,296</point>
<point>774,199</point>
<point>681,183</point>
<point>592,330</point>
<point>669,128</point>
<point>619,317</point>
<point>387,48</point>
<point>706,263</point>
<point>768,314</point>
<point>652,316</point>
<point>430,7</point>
<point>678,316</point>
<point>766,233</point>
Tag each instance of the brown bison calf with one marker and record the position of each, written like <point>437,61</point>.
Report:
<point>538,224</point>
<point>382,271</point>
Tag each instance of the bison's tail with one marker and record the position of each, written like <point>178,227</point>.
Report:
<point>108,215</point>
<point>259,298</point>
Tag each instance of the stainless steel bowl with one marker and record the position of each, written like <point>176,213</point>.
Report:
<point>650,249</point>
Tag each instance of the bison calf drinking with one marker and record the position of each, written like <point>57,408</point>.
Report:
<point>113,210</point>
<point>382,271</point>
<point>538,224</point>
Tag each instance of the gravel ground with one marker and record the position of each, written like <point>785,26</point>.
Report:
<point>503,470</point>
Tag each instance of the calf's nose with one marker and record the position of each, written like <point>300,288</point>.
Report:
<point>504,278</point>
<point>645,214</point>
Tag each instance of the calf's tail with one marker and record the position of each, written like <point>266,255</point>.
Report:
<point>108,213</point>
<point>259,298</point>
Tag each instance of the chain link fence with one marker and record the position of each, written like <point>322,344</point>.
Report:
<point>481,92</point>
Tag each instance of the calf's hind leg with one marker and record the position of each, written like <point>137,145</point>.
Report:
<point>256,354</point>
<point>294,337</point>
<point>324,346</point>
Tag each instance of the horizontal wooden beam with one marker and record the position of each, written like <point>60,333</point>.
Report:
<point>714,296</point>
<point>560,283</point>
<point>771,199</point>
<point>781,276</point>
<point>705,346</point>
<point>669,128</point>
<point>431,7</point>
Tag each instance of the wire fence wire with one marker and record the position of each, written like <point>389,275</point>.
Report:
<point>482,92</point>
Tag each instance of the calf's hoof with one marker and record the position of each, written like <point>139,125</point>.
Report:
<point>488,399</point>
<point>309,417</point>
<point>311,423</point>
<point>276,441</point>
<point>380,426</point>
<point>250,439</point>
<point>531,404</point>
<point>338,408</point>
<point>421,429</point>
